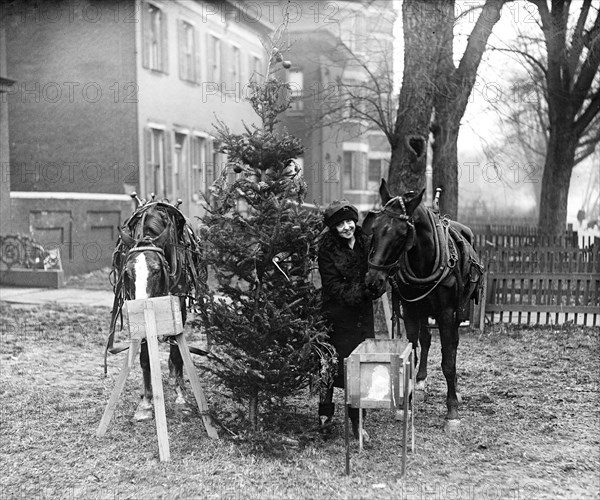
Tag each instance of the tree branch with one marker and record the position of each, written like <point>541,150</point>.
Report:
<point>589,69</point>
<point>588,115</point>
<point>577,38</point>
<point>464,76</point>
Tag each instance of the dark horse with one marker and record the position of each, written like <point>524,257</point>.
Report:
<point>157,254</point>
<point>434,271</point>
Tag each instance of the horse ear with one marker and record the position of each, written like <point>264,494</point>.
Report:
<point>414,202</point>
<point>384,192</point>
<point>128,240</point>
<point>367,225</point>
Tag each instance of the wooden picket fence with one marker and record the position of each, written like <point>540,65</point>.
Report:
<point>505,236</point>
<point>543,285</point>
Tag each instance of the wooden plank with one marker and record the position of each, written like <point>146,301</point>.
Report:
<point>196,386</point>
<point>540,308</point>
<point>387,313</point>
<point>552,294</point>
<point>158,398</point>
<point>118,389</point>
<point>482,304</point>
<point>167,311</point>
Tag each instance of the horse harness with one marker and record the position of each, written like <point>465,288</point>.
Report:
<point>175,272</point>
<point>446,243</point>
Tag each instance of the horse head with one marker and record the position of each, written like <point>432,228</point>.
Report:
<point>146,269</point>
<point>393,234</point>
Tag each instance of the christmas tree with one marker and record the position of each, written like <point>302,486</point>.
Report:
<point>268,337</point>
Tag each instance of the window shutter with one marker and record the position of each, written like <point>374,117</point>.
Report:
<point>209,58</point>
<point>181,47</point>
<point>168,166</point>
<point>251,74</point>
<point>148,174</point>
<point>164,42</point>
<point>146,22</point>
<point>198,56</point>
<point>226,72</point>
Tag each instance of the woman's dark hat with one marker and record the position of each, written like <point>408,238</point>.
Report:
<point>339,211</point>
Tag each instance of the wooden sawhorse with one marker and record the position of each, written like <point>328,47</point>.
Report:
<point>143,319</point>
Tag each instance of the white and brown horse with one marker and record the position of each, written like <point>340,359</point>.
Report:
<point>157,254</point>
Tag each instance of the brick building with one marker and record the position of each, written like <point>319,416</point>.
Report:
<point>121,95</point>
<point>5,86</point>
<point>113,97</point>
<point>346,156</point>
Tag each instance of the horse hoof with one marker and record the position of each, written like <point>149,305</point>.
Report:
<point>451,426</point>
<point>420,386</point>
<point>142,414</point>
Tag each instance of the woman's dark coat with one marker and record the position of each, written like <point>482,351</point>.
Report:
<point>347,304</point>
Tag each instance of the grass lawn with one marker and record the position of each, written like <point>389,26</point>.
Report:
<point>530,425</point>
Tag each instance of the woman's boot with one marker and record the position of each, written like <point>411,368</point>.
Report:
<point>354,419</point>
<point>326,411</point>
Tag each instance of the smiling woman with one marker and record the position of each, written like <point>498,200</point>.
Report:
<point>347,302</point>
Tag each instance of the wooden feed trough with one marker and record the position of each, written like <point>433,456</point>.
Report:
<point>381,374</point>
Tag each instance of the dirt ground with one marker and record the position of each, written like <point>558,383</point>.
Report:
<point>530,425</point>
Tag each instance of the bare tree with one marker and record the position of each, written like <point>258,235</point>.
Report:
<point>433,96</point>
<point>432,99</point>
<point>454,85</point>
<point>569,65</point>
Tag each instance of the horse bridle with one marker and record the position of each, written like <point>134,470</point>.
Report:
<point>149,246</point>
<point>399,215</point>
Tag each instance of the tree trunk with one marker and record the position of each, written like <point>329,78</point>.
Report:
<point>445,165</point>
<point>411,132</point>
<point>454,85</point>
<point>558,167</point>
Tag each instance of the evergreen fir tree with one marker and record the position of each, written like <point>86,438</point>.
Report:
<point>268,337</point>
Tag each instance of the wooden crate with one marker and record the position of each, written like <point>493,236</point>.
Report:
<point>167,313</point>
<point>375,373</point>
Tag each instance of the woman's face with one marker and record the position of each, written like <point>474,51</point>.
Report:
<point>346,229</point>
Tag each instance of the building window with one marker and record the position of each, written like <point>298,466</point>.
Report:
<point>213,167</point>
<point>187,52</point>
<point>181,167</point>
<point>348,182</point>
<point>214,60</point>
<point>255,67</point>
<point>236,65</point>
<point>199,164</point>
<point>157,175</point>
<point>155,53</point>
<point>374,173</point>
<point>296,83</point>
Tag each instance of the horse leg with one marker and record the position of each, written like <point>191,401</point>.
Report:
<point>425,341</point>
<point>449,340</point>
<point>176,372</point>
<point>144,409</point>
<point>418,334</point>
